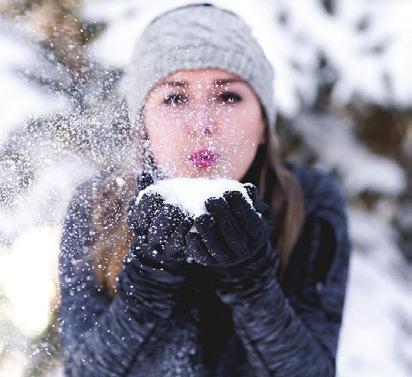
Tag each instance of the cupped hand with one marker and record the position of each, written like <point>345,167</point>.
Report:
<point>232,231</point>
<point>160,230</point>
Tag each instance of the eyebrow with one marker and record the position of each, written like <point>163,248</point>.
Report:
<point>219,82</point>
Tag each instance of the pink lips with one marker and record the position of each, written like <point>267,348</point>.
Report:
<point>203,158</point>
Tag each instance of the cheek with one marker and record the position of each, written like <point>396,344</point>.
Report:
<point>245,127</point>
<point>168,147</point>
<point>161,129</point>
<point>166,144</point>
<point>241,139</point>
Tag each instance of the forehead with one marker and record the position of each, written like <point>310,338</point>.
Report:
<point>201,76</point>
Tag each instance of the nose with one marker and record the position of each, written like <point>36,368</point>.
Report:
<point>202,122</point>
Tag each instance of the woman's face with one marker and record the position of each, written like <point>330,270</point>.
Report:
<point>203,123</point>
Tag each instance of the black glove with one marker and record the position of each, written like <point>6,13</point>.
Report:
<point>233,243</point>
<point>160,230</point>
<point>156,262</point>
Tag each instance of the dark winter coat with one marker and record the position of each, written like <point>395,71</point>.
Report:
<point>293,331</point>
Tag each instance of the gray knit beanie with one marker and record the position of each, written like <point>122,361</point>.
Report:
<point>194,36</point>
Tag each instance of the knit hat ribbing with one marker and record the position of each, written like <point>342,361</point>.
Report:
<point>197,36</point>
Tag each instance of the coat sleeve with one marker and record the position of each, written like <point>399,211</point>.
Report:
<point>100,336</point>
<point>296,334</point>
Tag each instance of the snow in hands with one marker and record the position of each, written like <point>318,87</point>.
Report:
<point>190,194</point>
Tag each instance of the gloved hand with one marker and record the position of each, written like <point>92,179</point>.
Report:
<point>160,230</point>
<point>233,243</point>
<point>156,262</point>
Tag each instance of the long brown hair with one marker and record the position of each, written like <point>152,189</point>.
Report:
<point>276,185</point>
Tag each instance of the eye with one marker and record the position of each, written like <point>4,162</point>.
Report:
<point>174,99</point>
<point>230,97</point>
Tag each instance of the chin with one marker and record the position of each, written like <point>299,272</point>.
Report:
<point>202,173</point>
<point>190,171</point>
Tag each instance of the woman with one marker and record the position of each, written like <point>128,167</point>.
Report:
<point>258,296</point>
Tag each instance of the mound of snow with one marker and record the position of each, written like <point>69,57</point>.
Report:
<point>190,194</point>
